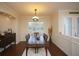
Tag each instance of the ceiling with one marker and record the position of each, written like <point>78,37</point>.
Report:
<point>43,8</point>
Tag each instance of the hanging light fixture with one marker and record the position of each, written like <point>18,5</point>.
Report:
<point>35,18</point>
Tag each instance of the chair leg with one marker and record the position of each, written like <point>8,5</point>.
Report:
<point>35,50</point>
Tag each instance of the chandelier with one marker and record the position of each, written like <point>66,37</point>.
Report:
<point>35,18</point>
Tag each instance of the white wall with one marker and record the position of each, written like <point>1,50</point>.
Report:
<point>13,23</point>
<point>5,23</point>
<point>75,46</point>
<point>64,43</point>
<point>70,45</point>
<point>54,25</point>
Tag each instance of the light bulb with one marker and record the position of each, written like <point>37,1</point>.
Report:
<point>35,18</point>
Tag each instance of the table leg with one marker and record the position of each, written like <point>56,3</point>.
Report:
<point>26,50</point>
<point>46,50</point>
<point>35,50</point>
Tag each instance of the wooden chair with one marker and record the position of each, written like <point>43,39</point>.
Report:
<point>36,46</point>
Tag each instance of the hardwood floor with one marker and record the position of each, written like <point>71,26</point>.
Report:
<point>17,50</point>
<point>55,51</point>
<point>14,50</point>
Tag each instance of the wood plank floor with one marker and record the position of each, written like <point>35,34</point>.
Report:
<point>14,50</point>
<point>55,51</point>
<point>17,50</point>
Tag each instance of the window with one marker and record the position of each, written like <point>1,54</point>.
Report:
<point>35,26</point>
<point>68,26</point>
<point>77,34</point>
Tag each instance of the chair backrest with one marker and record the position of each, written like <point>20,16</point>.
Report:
<point>27,37</point>
<point>44,36</point>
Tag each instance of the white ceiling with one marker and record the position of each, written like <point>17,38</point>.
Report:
<point>43,8</point>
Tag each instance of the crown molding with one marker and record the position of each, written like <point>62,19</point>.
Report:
<point>7,15</point>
